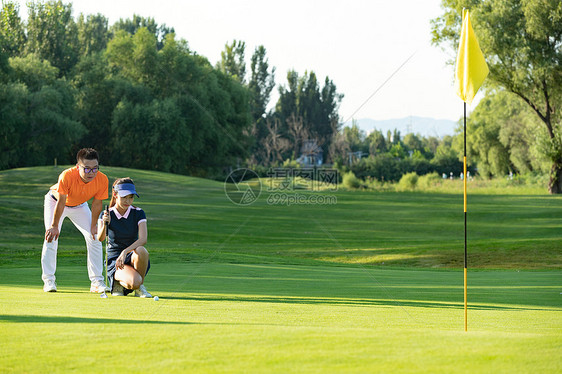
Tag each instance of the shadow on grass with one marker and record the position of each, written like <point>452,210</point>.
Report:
<point>67,319</point>
<point>327,285</point>
<point>350,302</point>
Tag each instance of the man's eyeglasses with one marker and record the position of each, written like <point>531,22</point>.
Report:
<point>90,170</point>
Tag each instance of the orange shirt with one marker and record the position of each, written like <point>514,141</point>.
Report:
<point>79,192</point>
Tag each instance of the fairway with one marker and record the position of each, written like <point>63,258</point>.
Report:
<point>371,284</point>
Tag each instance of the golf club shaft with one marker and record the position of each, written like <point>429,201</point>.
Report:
<point>106,243</point>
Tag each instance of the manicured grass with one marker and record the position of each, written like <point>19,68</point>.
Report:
<point>370,284</point>
<point>188,217</point>
<point>215,317</point>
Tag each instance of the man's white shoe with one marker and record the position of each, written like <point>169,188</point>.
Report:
<point>50,286</point>
<point>99,287</point>
<point>142,292</point>
<point>117,289</point>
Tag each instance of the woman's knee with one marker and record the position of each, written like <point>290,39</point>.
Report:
<point>128,277</point>
<point>137,281</point>
<point>132,283</point>
<point>141,252</point>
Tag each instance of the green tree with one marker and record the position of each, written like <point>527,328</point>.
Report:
<point>502,136</point>
<point>521,39</point>
<point>175,64</point>
<point>12,30</point>
<point>152,136</point>
<point>233,60</point>
<point>33,72</point>
<point>261,83</point>
<point>131,26</point>
<point>446,159</point>
<point>413,142</point>
<point>53,128</point>
<point>397,151</point>
<point>52,34</point>
<point>430,145</point>
<point>210,108</point>
<point>329,121</point>
<point>120,53</point>
<point>93,33</point>
<point>135,56</point>
<point>97,94</point>
<point>356,138</point>
<point>37,126</point>
<point>4,65</point>
<point>14,102</point>
<point>317,106</point>
<point>144,62</point>
<point>376,142</point>
<point>396,139</point>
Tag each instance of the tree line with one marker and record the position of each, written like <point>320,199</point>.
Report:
<point>144,99</point>
<point>132,90</point>
<point>386,157</point>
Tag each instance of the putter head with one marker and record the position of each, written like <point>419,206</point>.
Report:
<point>103,295</point>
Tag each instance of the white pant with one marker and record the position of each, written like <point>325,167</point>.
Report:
<point>81,216</point>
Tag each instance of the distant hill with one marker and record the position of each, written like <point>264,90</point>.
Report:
<point>418,125</point>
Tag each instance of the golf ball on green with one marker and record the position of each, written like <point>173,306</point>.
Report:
<point>156,298</point>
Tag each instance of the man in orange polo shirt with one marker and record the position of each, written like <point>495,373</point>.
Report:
<point>68,198</point>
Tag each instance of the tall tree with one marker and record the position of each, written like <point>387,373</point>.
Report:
<point>208,109</point>
<point>4,65</point>
<point>131,26</point>
<point>135,55</point>
<point>355,137</point>
<point>521,39</point>
<point>174,61</point>
<point>14,101</point>
<point>93,33</point>
<point>503,136</point>
<point>376,142</point>
<point>33,72</point>
<point>98,92</point>
<point>274,143</point>
<point>12,31</point>
<point>52,34</point>
<point>318,107</point>
<point>430,145</point>
<point>37,126</point>
<point>413,142</point>
<point>298,132</point>
<point>233,61</point>
<point>339,148</point>
<point>261,82</point>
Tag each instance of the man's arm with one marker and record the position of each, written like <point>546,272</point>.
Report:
<point>97,206</point>
<point>53,233</point>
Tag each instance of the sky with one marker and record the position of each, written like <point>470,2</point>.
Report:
<point>358,44</point>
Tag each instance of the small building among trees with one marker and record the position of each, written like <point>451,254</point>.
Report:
<point>311,154</point>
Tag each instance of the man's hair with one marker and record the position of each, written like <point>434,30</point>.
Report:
<point>87,154</point>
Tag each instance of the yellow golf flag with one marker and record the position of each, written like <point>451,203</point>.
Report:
<point>471,69</point>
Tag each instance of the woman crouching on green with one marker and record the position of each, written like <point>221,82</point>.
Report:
<point>127,258</point>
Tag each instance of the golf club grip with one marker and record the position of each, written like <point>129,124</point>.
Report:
<point>105,223</point>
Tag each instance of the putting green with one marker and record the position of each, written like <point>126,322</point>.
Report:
<point>218,317</point>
